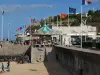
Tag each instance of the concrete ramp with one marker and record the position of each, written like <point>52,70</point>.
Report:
<point>37,55</point>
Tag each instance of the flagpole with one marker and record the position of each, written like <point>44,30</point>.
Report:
<point>69,28</point>
<point>2,28</point>
<point>81,27</point>
<point>30,33</point>
<point>23,34</point>
<point>61,33</point>
<point>52,20</point>
<point>8,31</point>
<point>60,21</point>
<point>57,21</point>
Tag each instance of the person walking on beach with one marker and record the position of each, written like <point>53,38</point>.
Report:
<point>8,66</point>
<point>2,67</point>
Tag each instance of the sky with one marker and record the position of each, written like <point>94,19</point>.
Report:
<point>18,12</point>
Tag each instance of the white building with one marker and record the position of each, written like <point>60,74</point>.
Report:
<point>24,37</point>
<point>68,32</point>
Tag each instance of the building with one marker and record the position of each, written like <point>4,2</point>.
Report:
<point>69,33</point>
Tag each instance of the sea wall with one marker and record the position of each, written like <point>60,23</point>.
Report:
<point>78,62</point>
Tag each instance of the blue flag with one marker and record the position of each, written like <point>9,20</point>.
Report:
<point>72,10</point>
<point>20,28</point>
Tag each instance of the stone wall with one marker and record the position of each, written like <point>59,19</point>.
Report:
<point>78,62</point>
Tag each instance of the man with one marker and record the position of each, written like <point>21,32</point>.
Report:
<point>8,66</point>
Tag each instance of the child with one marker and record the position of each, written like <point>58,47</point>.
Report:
<point>2,67</point>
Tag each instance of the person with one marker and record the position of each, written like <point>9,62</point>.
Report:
<point>1,45</point>
<point>43,44</point>
<point>2,67</point>
<point>15,59</point>
<point>8,64</point>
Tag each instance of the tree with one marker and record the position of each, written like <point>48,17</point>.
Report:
<point>91,13</point>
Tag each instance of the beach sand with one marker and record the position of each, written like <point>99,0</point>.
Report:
<point>26,69</point>
<point>51,67</point>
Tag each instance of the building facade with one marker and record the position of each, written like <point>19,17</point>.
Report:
<point>69,33</point>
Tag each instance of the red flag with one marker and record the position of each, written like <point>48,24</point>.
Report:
<point>18,29</point>
<point>63,16</point>
<point>89,2</point>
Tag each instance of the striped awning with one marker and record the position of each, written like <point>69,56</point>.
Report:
<point>45,30</point>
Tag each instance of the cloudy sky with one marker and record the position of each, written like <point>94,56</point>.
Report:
<point>19,12</point>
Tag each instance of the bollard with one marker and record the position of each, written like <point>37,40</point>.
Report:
<point>45,57</point>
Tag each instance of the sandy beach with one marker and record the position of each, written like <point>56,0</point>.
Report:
<point>26,69</point>
<point>51,67</point>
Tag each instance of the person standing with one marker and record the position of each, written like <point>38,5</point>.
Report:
<point>8,66</point>
<point>2,67</point>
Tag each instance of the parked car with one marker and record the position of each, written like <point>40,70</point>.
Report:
<point>76,42</point>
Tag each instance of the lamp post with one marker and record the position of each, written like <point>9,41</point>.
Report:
<point>87,27</point>
<point>2,25</point>
<point>9,31</point>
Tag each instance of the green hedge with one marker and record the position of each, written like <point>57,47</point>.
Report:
<point>98,45</point>
<point>91,44</point>
<point>87,44</point>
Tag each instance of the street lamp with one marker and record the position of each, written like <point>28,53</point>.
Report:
<point>85,24</point>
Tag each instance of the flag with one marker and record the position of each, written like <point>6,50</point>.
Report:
<point>86,2</point>
<point>20,28</point>
<point>24,26</point>
<point>42,20</point>
<point>16,30</point>
<point>30,26</point>
<point>32,20</point>
<point>2,12</point>
<point>63,16</point>
<point>72,10</point>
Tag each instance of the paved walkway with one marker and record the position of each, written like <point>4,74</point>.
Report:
<point>45,68</point>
